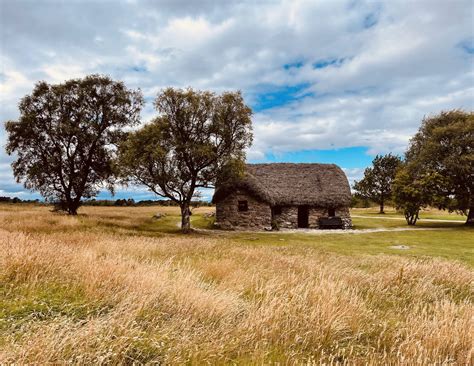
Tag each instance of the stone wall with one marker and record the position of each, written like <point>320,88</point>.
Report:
<point>228,216</point>
<point>314,214</point>
<point>259,214</point>
<point>345,215</point>
<point>288,219</point>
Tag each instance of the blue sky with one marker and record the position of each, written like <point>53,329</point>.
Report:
<point>329,81</point>
<point>349,157</point>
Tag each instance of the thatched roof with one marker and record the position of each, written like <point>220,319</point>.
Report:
<point>323,185</point>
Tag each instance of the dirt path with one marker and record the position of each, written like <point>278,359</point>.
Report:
<point>354,231</point>
<point>319,232</point>
<point>336,231</point>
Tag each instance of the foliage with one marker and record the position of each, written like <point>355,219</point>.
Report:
<point>361,202</point>
<point>125,202</point>
<point>412,191</point>
<point>197,137</point>
<point>64,139</point>
<point>17,200</point>
<point>377,180</point>
<point>444,144</point>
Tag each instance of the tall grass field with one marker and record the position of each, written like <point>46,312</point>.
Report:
<point>116,286</point>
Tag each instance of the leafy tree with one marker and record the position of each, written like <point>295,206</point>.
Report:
<point>64,139</point>
<point>197,137</point>
<point>445,144</point>
<point>413,190</point>
<point>377,182</point>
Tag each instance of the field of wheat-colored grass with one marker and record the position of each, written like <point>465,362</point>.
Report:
<point>115,286</point>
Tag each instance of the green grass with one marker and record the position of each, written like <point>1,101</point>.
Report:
<point>447,240</point>
<point>23,305</point>
<point>424,214</point>
<point>377,223</point>
<point>455,244</point>
<point>202,221</point>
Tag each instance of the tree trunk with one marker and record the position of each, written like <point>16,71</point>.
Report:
<point>185,218</point>
<point>411,217</point>
<point>382,205</point>
<point>72,208</point>
<point>73,205</point>
<point>470,216</point>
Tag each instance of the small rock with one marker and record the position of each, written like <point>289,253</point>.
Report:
<point>158,216</point>
<point>401,247</point>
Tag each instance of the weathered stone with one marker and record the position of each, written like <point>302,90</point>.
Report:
<point>276,195</point>
<point>258,215</point>
<point>159,215</point>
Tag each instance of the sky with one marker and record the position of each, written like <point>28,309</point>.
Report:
<point>329,81</point>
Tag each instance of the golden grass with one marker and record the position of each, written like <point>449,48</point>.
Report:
<point>109,287</point>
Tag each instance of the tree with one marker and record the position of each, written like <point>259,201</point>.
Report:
<point>64,139</point>
<point>413,190</point>
<point>445,144</point>
<point>377,182</point>
<point>197,137</point>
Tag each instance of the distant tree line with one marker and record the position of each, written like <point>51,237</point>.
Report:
<point>131,202</point>
<point>118,202</point>
<point>17,200</point>
<point>359,201</point>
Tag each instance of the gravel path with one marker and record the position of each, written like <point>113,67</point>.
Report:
<point>337,231</point>
<point>354,231</point>
<point>318,232</point>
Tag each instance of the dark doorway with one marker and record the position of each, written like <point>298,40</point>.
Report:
<point>276,210</point>
<point>303,216</point>
<point>243,206</point>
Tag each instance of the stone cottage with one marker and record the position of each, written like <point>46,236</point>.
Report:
<point>285,195</point>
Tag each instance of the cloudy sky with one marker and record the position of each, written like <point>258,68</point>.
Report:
<point>328,81</point>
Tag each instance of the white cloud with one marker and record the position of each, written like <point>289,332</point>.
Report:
<point>353,174</point>
<point>12,80</point>
<point>364,73</point>
<point>58,73</point>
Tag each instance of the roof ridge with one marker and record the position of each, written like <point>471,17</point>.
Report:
<point>317,184</point>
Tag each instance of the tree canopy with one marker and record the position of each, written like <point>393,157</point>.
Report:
<point>444,145</point>
<point>197,137</point>
<point>377,181</point>
<point>64,139</point>
<point>412,191</point>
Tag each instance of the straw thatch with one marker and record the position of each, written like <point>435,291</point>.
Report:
<point>288,184</point>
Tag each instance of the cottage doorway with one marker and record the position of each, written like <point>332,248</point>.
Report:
<point>303,216</point>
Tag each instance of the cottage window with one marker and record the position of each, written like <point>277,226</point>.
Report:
<point>277,210</point>
<point>243,206</point>
<point>331,212</point>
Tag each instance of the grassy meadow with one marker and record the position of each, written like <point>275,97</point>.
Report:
<point>116,286</point>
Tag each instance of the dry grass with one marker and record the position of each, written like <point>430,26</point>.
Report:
<point>109,287</point>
